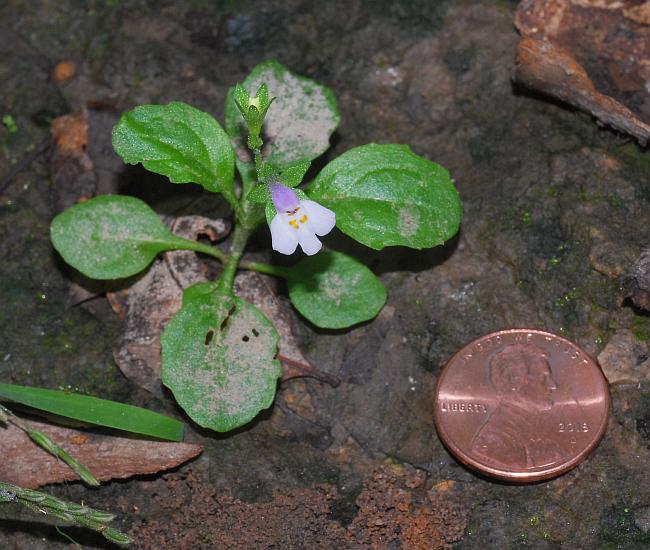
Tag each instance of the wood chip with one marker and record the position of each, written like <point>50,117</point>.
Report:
<point>576,51</point>
<point>107,457</point>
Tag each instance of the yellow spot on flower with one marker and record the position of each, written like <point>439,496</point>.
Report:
<point>303,219</point>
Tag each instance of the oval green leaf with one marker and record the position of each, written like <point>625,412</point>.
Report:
<point>333,290</point>
<point>112,236</point>
<point>95,411</point>
<point>386,195</point>
<point>177,141</point>
<point>219,358</point>
<point>299,122</point>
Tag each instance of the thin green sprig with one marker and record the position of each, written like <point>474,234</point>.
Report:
<point>69,512</point>
<point>46,443</point>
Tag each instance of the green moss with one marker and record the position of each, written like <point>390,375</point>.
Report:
<point>618,530</point>
<point>641,328</point>
<point>636,167</point>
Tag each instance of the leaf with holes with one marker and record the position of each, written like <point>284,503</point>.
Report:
<point>177,141</point>
<point>219,358</point>
<point>298,124</point>
<point>113,236</point>
<point>333,290</point>
<point>386,195</point>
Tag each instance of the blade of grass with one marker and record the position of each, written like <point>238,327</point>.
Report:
<point>95,411</point>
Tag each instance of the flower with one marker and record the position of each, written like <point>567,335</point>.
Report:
<point>297,222</point>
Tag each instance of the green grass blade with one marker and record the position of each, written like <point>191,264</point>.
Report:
<point>95,411</point>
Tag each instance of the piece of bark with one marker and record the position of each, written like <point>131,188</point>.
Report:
<point>636,282</point>
<point>150,303</point>
<point>107,457</point>
<point>573,50</point>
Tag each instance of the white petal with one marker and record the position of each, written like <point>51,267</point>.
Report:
<point>322,220</point>
<point>308,241</point>
<point>284,238</point>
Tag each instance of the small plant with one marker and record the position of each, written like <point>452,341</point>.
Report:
<point>219,351</point>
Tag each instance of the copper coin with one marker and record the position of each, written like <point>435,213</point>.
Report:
<point>521,405</point>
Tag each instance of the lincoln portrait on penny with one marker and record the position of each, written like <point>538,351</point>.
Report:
<point>515,434</point>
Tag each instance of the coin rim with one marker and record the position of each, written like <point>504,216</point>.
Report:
<point>523,477</point>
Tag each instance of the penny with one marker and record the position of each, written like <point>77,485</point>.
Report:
<point>521,405</point>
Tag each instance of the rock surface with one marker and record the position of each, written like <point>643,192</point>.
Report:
<point>555,209</point>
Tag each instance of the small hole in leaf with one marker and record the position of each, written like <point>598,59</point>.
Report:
<point>255,333</point>
<point>245,338</point>
<point>208,337</point>
<point>231,311</point>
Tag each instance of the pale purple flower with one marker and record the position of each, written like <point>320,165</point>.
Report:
<point>297,222</point>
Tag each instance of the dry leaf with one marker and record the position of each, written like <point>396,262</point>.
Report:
<point>576,51</point>
<point>73,174</point>
<point>150,303</point>
<point>107,457</point>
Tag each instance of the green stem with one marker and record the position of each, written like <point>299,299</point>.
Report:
<point>209,250</point>
<point>257,153</point>
<point>268,269</point>
<point>239,237</point>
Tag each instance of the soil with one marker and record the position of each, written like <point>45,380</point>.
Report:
<point>555,210</point>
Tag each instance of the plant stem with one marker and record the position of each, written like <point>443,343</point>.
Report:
<point>257,153</point>
<point>268,269</point>
<point>210,251</point>
<point>239,237</point>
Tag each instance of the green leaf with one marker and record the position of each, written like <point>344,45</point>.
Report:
<point>269,211</point>
<point>386,195</point>
<point>95,411</point>
<point>262,97</point>
<point>177,141</point>
<point>333,290</point>
<point>218,358</point>
<point>112,236</point>
<point>241,97</point>
<point>291,176</point>
<point>299,122</point>
<point>260,194</point>
<point>293,173</point>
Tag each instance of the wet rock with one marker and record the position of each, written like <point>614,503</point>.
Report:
<point>553,207</point>
<point>636,282</point>
<point>642,519</point>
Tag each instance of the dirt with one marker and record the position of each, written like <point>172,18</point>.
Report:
<point>389,513</point>
<point>555,210</point>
